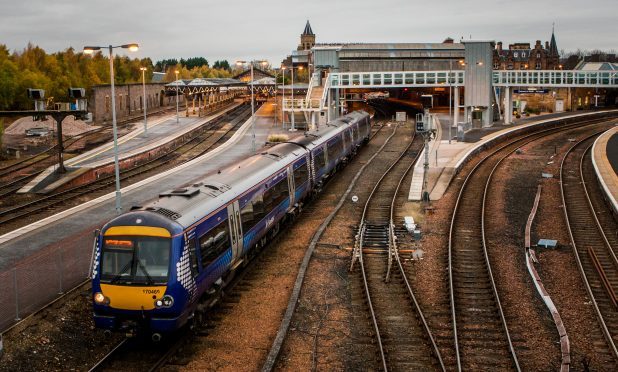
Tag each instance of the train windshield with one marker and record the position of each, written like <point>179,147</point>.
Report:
<point>135,260</point>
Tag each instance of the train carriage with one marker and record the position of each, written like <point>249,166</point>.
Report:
<point>157,264</point>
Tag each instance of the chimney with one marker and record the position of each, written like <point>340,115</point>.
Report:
<point>499,46</point>
<point>547,45</point>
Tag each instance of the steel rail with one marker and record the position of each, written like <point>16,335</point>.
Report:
<point>604,329</point>
<point>417,307</point>
<point>520,140</point>
<point>8,215</point>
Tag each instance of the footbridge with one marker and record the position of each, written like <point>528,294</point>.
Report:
<point>323,98</point>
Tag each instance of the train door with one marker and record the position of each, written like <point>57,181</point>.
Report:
<point>291,185</point>
<point>233,212</point>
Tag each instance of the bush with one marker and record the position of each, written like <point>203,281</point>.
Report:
<point>277,138</point>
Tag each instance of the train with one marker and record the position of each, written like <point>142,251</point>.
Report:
<point>160,266</point>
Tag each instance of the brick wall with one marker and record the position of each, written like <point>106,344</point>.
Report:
<point>129,100</point>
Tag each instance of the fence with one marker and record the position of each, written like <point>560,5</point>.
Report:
<point>38,279</point>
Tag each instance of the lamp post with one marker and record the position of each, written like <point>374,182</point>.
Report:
<point>241,63</point>
<point>177,72</point>
<point>143,69</point>
<point>283,97</point>
<point>133,47</point>
<point>293,128</point>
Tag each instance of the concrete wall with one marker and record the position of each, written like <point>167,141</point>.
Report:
<point>129,101</point>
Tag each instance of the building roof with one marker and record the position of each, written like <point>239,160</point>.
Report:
<point>553,47</point>
<point>597,66</point>
<point>157,77</point>
<point>308,30</point>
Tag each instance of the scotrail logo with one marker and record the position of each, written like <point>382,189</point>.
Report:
<point>270,221</point>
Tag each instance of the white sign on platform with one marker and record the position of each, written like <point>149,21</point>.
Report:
<point>401,116</point>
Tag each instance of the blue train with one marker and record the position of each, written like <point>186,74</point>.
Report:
<point>158,266</point>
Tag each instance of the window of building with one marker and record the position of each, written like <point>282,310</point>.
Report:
<point>538,55</point>
<point>510,66</point>
<point>515,54</point>
<point>214,243</point>
<point>538,65</point>
<point>496,65</point>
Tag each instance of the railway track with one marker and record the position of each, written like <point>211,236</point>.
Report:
<point>481,335</point>
<point>402,334</point>
<point>214,134</point>
<point>592,231</point>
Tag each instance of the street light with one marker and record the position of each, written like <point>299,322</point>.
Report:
<point>242,63</point>
<point>293,128</point>
<point>283,96</point>
<point>143,69</point>
<point>133,47</point>
<point>177,72</point>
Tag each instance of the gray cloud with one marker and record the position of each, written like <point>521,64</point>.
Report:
<point>270,29</point>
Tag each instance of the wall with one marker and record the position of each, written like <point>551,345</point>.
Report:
<point>129,101</point>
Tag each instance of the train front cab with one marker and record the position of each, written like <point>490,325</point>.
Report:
<point>134,287</point>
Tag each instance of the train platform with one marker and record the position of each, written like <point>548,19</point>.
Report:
<point>605,162</point>
<point>73,229</point>
<point>132,146</point>
<point>446,159</point>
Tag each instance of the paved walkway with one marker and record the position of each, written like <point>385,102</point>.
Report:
<point>74,227</point>
<point>446,159</point>
<point>160,131</point>
<point>605,161</point>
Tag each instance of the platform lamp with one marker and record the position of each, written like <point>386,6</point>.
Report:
<point>293,128</point>
<point>143,70</point>
<point>282,95</point>
<point>133,47</point>
<point>243,63</point>
<point>177,72</point>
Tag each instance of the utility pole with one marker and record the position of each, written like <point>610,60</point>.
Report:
<point>424,127</point>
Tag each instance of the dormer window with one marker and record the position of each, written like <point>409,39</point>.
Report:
<point>515,54</point>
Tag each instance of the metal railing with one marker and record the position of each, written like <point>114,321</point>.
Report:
<point>556,78</point>
<point>37,280</point>
<point>396,79</point>
<point>301,104</point>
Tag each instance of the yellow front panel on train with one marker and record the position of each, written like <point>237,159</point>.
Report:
<point>138,230</point>
<point>132,298</point>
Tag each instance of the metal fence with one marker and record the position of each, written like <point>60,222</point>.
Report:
<point>39,279</point>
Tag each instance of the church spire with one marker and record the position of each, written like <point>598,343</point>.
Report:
<point>308,30</point>
<point>553,47</point>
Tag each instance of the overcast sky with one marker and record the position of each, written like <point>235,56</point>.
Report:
<point>270,29</point>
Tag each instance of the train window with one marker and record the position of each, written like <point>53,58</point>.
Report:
<point>355,133</point>
<point>252,212</point>
<point>301,175</point>
<point>275,195</point>
<point>192,257</point>
<point>335,149</point>
<point>320,160</point>
<point>214,243</point>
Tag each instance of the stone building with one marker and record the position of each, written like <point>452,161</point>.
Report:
<point>521,56</point>
<point>129,101</point>
<point>307,38</point>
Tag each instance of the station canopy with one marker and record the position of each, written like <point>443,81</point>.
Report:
<point>201,85</point>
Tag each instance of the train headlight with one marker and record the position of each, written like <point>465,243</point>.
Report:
<point>100,299</point>
<point>166,301</point>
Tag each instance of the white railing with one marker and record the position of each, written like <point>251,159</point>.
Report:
<point>396,79</point>
<point>312,83</point>
<point>301,104</point>
<point>325,92</point>
<point>556,78</point>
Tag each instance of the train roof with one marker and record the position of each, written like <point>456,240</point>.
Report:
<point>188,204</point>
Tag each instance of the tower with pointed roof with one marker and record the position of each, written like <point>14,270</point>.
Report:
<point>553,47</point>
<point>307,38</point>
